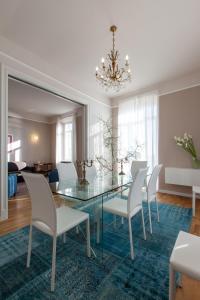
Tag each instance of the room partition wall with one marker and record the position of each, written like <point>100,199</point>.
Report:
<point>3,142</point>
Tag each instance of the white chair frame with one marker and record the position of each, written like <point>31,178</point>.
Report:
<point>127,209</point>
<point>136,165</point>
<point>150,193</point>
<point>66,171</point>
<point>49,219</point>
<point>184,260</point>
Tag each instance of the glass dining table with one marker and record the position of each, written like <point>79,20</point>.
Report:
<point>91,197</point>
<point>98,186</point>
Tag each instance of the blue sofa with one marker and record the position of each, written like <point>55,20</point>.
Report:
<point>12,185</point>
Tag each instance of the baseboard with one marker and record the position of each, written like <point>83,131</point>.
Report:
<point>177,193</point>
<point>4,215</point>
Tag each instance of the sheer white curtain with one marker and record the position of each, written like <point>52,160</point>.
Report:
<point>59,141</point>
<point>138,125</point>
<point>66,139</point>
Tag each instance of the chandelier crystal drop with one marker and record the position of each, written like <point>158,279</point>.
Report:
<point>110,75</point>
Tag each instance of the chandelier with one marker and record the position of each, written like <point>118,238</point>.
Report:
<point>110,75</point>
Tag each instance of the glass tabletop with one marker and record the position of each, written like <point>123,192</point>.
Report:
<point>97,186</point>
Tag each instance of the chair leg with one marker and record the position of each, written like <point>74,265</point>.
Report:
<point>29,247</point>
<point>180,283</point>
<point>64,237</point>
<point>98,228</point>
<point>77,230</point>
<point>172,285</point>
<point>158,215</point>
<point>143,224</point>
<point>88,237</point>
<point>131,238</point>
<point>193,203</point>
<point>122,220</point>
<point>53,273</point>
<point>149,210</point>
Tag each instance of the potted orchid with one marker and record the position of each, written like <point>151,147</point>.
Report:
<point>186,142</point>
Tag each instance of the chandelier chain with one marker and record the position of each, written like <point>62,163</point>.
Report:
<point>113,41</point>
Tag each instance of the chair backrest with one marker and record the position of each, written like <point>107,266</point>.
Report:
<point>136,166</point>
<point>135,191</point>
<point>66,171</point>
<point>152,184</point>
<point>43,205</point>
<point>91,172</point>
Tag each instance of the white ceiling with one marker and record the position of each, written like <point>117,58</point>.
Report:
<point>30,102</point>
<point>162,37</point>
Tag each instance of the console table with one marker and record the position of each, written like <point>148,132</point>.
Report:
<point>184,176</point>
<point>42,167</point>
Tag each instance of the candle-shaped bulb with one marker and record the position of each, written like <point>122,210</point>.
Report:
<point>127,57</point>
<point>102,60</point>
<point>97,69</point>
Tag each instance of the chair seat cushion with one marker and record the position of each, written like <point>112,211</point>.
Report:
<point>118,206</point>
<point>67,218</point>
<point>185,255</point>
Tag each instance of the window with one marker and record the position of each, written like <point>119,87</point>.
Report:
<point>65,148</point>
<point>14,149</point>
<point>68,141</point>
<point>138,125</point>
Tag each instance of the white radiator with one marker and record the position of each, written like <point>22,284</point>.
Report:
<point>182,176</point>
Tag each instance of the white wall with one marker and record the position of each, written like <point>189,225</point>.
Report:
<point>29,151</point>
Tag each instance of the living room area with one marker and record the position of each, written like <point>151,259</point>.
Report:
<point>43,129</point>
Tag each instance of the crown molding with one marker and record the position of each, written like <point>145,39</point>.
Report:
<point>164,88</point>
<point>28,118</point>
<point>72,92</point>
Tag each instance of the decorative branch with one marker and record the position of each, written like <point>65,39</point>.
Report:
<point>110,140</point>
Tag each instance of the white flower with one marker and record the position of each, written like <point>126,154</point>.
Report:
<point>186,136</point>
<point>179,140</point>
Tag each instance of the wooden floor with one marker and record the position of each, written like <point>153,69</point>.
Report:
<point>20,212</point>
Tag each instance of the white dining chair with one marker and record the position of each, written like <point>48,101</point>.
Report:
<point>136,165</point>
<point>66,171</point>
<point>149,193</point>
<point>184,260</point>
<point>127,209</point>
<point>49,219</point>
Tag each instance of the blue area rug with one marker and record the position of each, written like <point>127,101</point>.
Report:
<point>79,277</point>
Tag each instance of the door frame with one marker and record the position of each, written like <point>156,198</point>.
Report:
<point>5,73</point>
